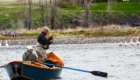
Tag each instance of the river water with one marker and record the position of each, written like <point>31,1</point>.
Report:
<point>120,62</point>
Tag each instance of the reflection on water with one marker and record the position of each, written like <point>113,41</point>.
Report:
<point>121,63</point>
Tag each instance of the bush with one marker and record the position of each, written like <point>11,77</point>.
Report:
<point>63,4</point>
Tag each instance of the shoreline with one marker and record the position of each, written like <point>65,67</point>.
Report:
<point>73,40</point>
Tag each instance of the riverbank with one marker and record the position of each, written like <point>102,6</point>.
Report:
<point>91,32</point>
<point>105,34</point>
<point>72,40</point>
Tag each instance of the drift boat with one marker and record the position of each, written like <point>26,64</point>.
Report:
<point>27,70</point>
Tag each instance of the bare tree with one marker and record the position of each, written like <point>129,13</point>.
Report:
<point>25,13</point>
<point>29,15</point>
<point>47,12</point>
<point>87,13</point>
<point>41,12</point>
<point>137,1</point>
<point>108,9</point>
<point>53,11</point>
<point>75,1</point>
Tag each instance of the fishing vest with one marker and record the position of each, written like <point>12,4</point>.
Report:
<point>43,46</point>
<point>27,57</point>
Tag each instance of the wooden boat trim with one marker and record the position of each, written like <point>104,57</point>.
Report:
<point>31,65</point>
<point>22,73</point>
<point>16,62</point>
<point>11,69</point>
<point>22,69</point>
<point>42,67</point>
<point>27,78</point>
<point>6,65</point>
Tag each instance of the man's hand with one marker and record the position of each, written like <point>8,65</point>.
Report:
<point>52,35</point>
<point>51,41</point>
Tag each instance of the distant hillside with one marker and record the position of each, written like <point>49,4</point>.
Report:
<point>12,0</point>
<point>120,13</point>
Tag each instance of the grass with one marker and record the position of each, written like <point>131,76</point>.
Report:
<point>97,9</point>
<point>117,7</point>
<point>14,10</point>
<point>106,31</point>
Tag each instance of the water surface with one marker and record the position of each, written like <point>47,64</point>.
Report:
<point>121,63</point>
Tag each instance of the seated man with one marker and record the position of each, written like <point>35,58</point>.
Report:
<point>29,55</point>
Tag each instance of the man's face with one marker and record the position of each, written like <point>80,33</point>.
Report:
<point>31,50</point>
<point>46,31</point>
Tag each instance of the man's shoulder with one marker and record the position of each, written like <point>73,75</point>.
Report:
<point>41,34</point>
<point>33,54</point>
<point>24,53</point>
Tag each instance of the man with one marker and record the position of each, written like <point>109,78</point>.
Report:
<point>29,55</point>
<point>43,43</point>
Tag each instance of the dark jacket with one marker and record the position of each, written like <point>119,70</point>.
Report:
<point>43,40</point>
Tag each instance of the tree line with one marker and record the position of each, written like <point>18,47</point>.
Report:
<point>48,11</point>
<point>49,7</point>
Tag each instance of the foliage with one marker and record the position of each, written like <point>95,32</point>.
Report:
<point>63,4</point>
<point>124,7</point>
<point>92,32</point>
<point>14,11</point>
<point>30,34</point>
<point>107,31</point>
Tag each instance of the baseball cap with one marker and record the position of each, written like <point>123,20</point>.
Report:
<point>29,47</point>
<point>45,28</point>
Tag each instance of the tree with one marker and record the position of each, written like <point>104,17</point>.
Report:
<point>41,12</point>
<point>47,12</point>
<point>137,1</point>
<point>53,12</point>
<point>29,15</point>
<point>25,13</point>
<point>108,9</point>
<point>87,13</point>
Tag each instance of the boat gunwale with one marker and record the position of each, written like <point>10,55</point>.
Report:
<point>46,68</point>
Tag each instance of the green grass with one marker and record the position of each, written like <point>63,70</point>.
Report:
<point>97,9</point>
<point>117,7</point>
<point>8,12</point>
<point>76,33</point>
<point>30,34</point>
<point>13,11</point>
<point>107,31</point>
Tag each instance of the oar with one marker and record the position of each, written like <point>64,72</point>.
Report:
<point>96,73</point>
<point>1,66</point>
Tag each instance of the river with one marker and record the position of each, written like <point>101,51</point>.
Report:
<point>120,62</point>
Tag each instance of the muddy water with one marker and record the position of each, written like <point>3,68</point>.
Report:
<point>121,63</point>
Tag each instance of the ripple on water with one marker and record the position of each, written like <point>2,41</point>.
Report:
<point>118,62</point>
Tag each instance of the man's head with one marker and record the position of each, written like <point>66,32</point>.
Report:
<point>30,48</point>
<point>45,29</point>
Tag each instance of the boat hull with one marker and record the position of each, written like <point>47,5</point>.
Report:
<point>28,70</point>
<point>40,73</point>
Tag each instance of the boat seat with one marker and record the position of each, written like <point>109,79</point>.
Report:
<point>39,60</point>
<point>51,56</point>
<point>16,62</point>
